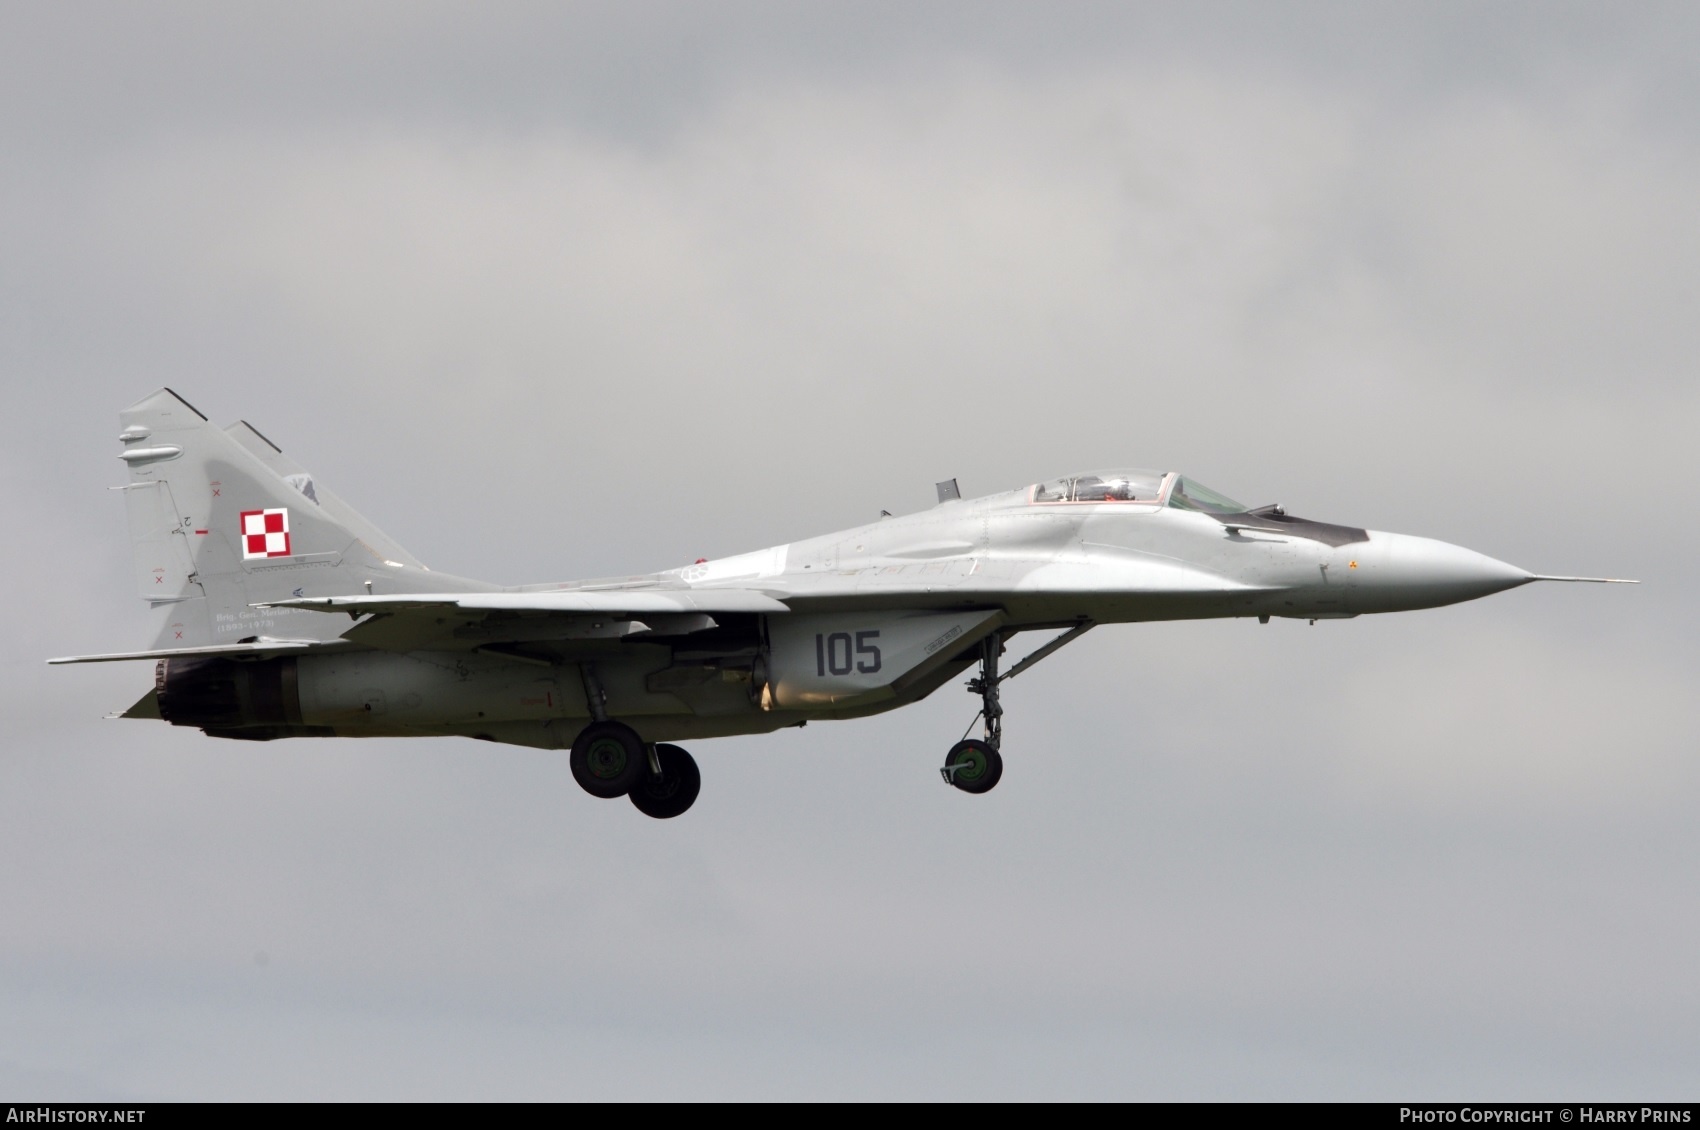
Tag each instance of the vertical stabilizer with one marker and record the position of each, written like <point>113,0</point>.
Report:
<point>221,520</point>
<point>379,543</point>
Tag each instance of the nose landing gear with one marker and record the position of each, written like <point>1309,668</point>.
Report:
<point>975,765</point>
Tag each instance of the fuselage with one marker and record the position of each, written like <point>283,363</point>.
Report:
<point>874,617</point>
<point>1109,561</point>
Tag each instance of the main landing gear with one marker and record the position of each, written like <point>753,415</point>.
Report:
<point>609,760</point>
<point>975,765</point>
<point>667,793</point>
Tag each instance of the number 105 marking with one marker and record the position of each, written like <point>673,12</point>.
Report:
<point>835,652</point>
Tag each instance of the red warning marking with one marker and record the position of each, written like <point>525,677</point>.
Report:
<point>159,580</point>
<point>179,635</point>
<point>201,532</point>
<point>700,561</point>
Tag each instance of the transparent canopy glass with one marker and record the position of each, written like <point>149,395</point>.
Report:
<point>1102,486</point>
<point>1188,495</point>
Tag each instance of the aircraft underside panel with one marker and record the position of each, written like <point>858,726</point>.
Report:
<point>855,657</point>
<point>834,665</point>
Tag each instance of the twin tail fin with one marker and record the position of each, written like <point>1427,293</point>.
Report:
<point>221,520</point>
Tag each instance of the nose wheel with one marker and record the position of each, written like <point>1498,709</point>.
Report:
<point>973,766</point>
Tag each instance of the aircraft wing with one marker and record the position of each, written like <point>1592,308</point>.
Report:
<point>256,649</point>
<point>609,602</point>
<point>420,619</point>
<point>552,625</point>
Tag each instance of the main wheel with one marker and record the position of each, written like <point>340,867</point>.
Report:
<point>973,766</point>
<point>608,759</point>
<point>668,795</point>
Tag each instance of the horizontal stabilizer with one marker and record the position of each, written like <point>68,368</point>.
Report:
<point>608,602</point>
<point>258,649</point>
<point>146,707</point>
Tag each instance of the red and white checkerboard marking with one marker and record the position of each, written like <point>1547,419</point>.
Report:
<point>265,533</point>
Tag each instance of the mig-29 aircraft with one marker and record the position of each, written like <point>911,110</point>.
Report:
<point>259,570</point>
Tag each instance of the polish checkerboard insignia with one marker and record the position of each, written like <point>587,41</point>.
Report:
<point>265,533</point>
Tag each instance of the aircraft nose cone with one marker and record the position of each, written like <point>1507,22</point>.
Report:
<point>1398,571</point>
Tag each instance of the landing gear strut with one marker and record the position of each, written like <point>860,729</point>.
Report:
<point>986,686</point>
<point>975,765</point>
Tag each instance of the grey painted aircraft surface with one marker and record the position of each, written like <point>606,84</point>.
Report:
<point>259,571</point>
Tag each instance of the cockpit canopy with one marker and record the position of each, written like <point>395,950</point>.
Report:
<point>1131,485</point>
<point>1148,490</point>
<point>1103,486</point>
<point>1188,495</point>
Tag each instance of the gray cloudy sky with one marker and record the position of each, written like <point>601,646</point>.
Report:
<point>556,290</point>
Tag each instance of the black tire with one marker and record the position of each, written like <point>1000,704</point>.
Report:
<point>670,794</point>
<point>982,766</point>
<point>608,759</point>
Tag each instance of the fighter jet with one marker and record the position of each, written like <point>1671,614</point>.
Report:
<point>259,570</point>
